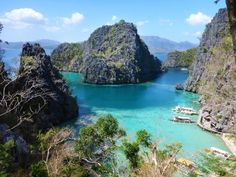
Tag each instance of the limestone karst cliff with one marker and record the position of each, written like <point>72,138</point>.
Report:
<point>112,55</point>
<point>213,75</point>
<point>37,98</point>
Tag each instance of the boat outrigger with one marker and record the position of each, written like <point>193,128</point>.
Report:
<point>218,153</point>
<point>221,154</point>
<point>185,110</point>
<point>182,119</point>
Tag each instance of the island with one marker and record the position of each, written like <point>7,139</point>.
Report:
<point>112,55</point>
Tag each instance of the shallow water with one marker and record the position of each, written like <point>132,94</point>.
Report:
<point>145,106</point>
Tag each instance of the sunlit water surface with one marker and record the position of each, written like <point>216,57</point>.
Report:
<point>144,106</point>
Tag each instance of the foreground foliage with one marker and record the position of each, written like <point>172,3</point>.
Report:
<point>97,143</point>
<point>209,164</point>
<point>5,157</point>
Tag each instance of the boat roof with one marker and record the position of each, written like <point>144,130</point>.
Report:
<point>219,150</point>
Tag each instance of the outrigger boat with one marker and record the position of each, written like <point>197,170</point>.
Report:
<point>185,110</point>
<point>218,153</point>
<point>182,119</point>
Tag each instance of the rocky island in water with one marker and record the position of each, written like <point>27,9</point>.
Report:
<point>52,124</point>
<point>112,55</point>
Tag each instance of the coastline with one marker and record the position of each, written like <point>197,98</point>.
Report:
<point>231,145</point>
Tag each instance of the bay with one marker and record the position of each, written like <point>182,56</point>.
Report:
<point>144,106</point>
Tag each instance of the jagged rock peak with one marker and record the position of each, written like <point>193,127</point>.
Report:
<point>33,50</point>
<point>112,55</point>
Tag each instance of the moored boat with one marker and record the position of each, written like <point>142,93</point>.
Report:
<point>219,153</point>
<point>182,119</point>
<point>185,110</point>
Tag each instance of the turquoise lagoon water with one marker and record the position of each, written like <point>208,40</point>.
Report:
<point>144,106</point>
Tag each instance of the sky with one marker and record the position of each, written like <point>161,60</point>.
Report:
<point>75,20</point>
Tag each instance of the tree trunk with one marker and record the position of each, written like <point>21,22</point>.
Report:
<point>231,6</point>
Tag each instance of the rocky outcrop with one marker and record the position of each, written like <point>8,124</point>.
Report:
<point>112,55</point>
<point>212,36</point>
<point>20,150</point>
<point>182,59</point>
<point>179,87</point>
<point>38,97</point>
<point>213,75</point>
<point>68,57</point>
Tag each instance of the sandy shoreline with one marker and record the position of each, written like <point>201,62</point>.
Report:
<point>230,143</point>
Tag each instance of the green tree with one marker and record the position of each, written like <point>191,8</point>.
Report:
<point>97,143</point>
<point>132,149</point>
<point>143,138</point>
<point>209,164</point>
<point>39,170</point>
<point>6,157</point>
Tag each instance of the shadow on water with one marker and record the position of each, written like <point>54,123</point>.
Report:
<point>142,106</point>
<point>158,93</point>
<point>86,117</point>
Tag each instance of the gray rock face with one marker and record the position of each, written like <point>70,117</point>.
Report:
<point>179,87</point>
<point>211,37</point>
<point>112,55</point>
<point>21,148</point>
<point>213,75</point>
<point>46,100</point>
<point>178,59</point>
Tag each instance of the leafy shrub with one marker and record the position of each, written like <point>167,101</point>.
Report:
<point>39,170</point>
<point>5,157</point>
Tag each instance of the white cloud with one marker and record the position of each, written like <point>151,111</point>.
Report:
<point>114,18</point>
<point>198,19</point>
<point>166,22</point>
<point>25,15</point>
<point>22,18</point>
<point>14,24</point>
<point>75,18</point>
<point>141,23</point>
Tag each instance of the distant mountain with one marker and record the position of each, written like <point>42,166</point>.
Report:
<point>45,43</point>
<point>161,45</point>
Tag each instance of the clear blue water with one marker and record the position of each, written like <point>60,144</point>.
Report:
<point>144,106</point>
